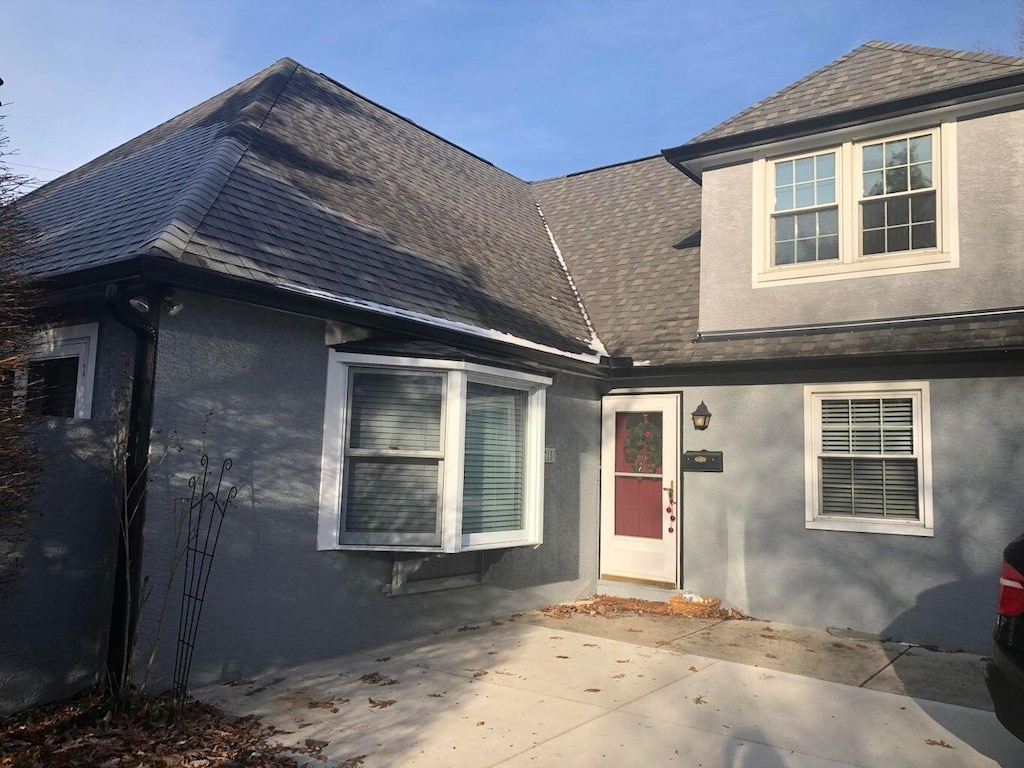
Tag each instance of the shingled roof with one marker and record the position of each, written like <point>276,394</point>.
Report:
<point>874,73</point>
<point>293,180</point>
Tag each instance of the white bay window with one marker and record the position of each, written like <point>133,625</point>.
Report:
<point>430,455</point>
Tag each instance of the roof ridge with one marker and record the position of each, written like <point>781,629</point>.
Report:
<point>947,53</point>
<point>198,195</point>
<point>595,169</point>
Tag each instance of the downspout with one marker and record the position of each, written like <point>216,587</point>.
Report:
<point>124,616</point>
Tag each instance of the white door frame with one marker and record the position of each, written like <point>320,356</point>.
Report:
<point>635,558</point>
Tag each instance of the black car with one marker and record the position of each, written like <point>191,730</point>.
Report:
<point>1004,675</point>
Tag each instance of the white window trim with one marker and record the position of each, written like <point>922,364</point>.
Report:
<point>67,341</point>
<point>331,523</point>
<point>946,254</point>
<point>918,391</point>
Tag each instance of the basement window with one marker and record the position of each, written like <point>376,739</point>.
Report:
<point>430,455</point>
<point>59,377</point>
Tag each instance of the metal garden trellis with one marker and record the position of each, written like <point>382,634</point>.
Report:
<point>206,512</point>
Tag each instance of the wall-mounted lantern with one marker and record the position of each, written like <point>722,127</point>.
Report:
<point>701,417</point>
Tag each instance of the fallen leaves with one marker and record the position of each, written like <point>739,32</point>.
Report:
<point>477,672</point>
<point>610,607</point>
<point>467,628</point>
<point>700,700</point>
<point>83,731</point>
<point>939,743</point>
<point>376,678</point>
<point>380,703</point>
<point>592,690</point>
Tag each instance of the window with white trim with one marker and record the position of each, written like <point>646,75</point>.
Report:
<point>857,209</point>
<point>868,458</point>
<point>430,455</point>
<point>60,372</point>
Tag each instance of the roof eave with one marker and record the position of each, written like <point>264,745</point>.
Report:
<point>76,286</point>
<point>684,156</point>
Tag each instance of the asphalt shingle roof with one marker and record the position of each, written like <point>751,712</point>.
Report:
<point>631,237</point>
<point>874,73</point>
<point>290,177</point>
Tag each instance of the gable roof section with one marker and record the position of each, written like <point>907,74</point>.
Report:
<point>872,74</point>
<point>292,180</point>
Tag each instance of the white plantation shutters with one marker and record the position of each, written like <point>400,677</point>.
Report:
<point>868,466</point>
<point>492,493</point>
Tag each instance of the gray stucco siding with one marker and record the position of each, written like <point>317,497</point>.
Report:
<point>55,605</point>
<point>990,196</point>
<point>745,538</point>
<point>249,383</point>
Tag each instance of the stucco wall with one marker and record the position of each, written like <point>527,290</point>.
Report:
<point>745,540</point>
<point>990,159</point>
<point>255,379</point>
<point>55,610</point>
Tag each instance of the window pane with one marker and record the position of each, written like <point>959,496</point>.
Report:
<point>784,199</point>
<point>897,211</point>
<point>804,169</point>
<point>806,225</point>
<point>872,157</point>
<point>825,166</point>
<point>492,496</point>
<point>785,227</point>
<point>828,248</point>
<point>391,496</point>
<point>922,236</point>
<point>826,191</point>
<point>874,241</point>
<point>921,149</point>
<point>395,412</point>
<point>873,184</point>
<point>896,180</point>
<point>895,153</point>
<point>873,215</point>
<point>828,221</point>
<point>921,176</point>
<point>898,239</point>
<point>806,251</point>
<point>922,208</point>
<point>804,195</point>
<point>785,253</point>
<point>784,173</point>
<point>52,387</point>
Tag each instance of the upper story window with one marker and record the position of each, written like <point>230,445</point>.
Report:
<point>857,209</point>
<point>430,455</point>
<point>61,369</point>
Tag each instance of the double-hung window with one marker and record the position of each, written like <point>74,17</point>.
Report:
<point>430,455</point>
<point>857,209</point>
<point>58,380</point>
<point>868,458</point>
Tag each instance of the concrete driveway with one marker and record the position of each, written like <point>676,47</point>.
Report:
<point>537,692</point>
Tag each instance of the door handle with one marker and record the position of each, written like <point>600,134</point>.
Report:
<point>671,488</point>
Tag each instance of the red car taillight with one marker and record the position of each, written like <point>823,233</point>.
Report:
<point>1011,591</point>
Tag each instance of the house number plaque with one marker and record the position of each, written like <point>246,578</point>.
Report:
<point>702,461</point>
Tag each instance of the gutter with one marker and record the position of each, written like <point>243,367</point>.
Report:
<point>163,271</point>
<point>124,617</point>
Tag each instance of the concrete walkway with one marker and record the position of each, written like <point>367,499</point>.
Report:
<point>539,692</point>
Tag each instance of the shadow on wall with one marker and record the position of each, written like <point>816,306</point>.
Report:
<point>56,610</point>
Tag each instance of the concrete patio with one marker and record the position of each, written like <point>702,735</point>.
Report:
<point>662,691</point>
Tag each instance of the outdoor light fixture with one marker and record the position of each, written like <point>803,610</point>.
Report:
<point>139,304</point>
<point>172,304</point>
<point>701,417</point>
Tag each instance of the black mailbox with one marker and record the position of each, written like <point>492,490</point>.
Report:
<point>702,461</point>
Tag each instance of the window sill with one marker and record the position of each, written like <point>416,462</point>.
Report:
<point>869,526</point>
<point>868,266</point>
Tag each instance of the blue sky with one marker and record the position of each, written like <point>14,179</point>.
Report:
<point>539,87</point>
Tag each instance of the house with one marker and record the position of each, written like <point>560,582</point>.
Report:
<point>449,394</point>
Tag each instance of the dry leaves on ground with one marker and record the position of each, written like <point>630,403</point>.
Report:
<point>82,730</point>
<point>612,607</point>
